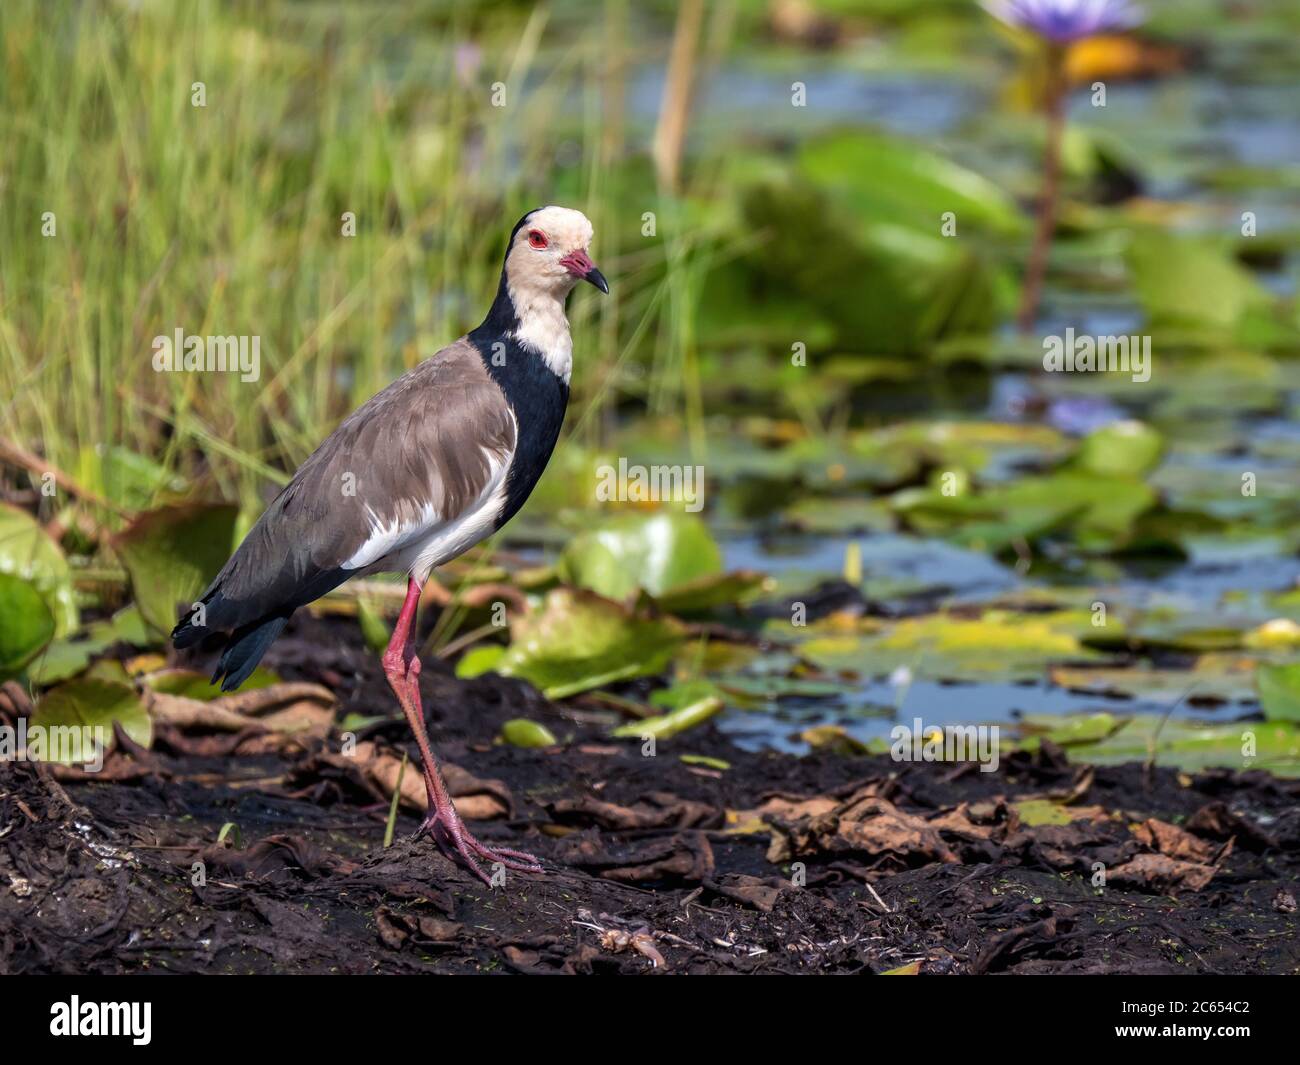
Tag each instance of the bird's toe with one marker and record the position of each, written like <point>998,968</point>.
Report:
<point>455,842</point>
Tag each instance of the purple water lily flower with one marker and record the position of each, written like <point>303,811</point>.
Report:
<point>1065,21</point>
<point>1080,415</point>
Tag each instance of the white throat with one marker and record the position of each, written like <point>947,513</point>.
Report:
<point>544,327</point>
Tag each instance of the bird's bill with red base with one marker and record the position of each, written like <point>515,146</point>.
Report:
<point>580,265</point>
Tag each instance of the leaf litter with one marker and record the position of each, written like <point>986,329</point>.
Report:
<point>821,863</point>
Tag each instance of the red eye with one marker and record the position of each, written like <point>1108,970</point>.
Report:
<point>537,238</point>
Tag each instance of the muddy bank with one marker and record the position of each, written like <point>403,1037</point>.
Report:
<point>773,864</point>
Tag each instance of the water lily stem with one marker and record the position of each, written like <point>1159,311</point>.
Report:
<point>1054,107</point>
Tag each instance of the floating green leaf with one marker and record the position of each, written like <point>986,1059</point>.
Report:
<point>26,624</point>
<point>126,626</point>
<point>1123,449</point>
<point>67,657</point>
<point>923,287</point>
<point>26,551</point>
<point>834,739</point>
<point>579,640</point>
<point>1071,729</point>
<point>708,593</point>
<point>890,179</point>
<point>108,669</point>
<point>1194,745</point>
<point>996,646</point>
<point>1099,511</point>
<point>94,705</point>
<point>172,553</point>
<point>199,686</point>
<point>655,552</point>
<point>1185,280</point>
<point>1279,691</point>
<point>670,555</point>
<point>1222,677</point>
<point>1186,630</point>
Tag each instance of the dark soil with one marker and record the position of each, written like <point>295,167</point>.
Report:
<point>897,863</point>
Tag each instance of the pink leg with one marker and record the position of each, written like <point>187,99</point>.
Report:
<point>442,822</point>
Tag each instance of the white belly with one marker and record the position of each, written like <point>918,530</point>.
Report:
<point>418,546</point>
<point>449,540</point>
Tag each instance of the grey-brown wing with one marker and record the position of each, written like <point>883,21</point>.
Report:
<point>418,452</point>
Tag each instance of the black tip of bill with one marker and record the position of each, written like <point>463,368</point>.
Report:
<point>598,279</point>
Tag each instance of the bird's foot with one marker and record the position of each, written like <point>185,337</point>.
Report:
<point>450,836</point>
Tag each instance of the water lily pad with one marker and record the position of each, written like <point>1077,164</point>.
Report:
<point>172,553</point>
<point>670,555</point>
<point>62,659</point>
<point>827,517</point>
<point>997,646</point>
<point>1098,511</point>
<point>834,739</point>
<point>1190,281</point>
<point>1237,381</point>
<point>1279,691</point>
<point>95,705</point>
<point>831,463</point>
<point>65,658</point>
<point>126,626</point>
<point>772,686</point>
<point>1125,448</point>
<point>1070,730</point>
<point>1193,745</point>
<point>26,551</point>
<point>653,552</point>
<point>195,685</point>
<point>923,287</point>
<point>710,592</point>
<point>1225,677</point>
<point>890,179</point>
<point>993,449</point>
<point>578,641</point>
<point>109,669</point>
<point>26,624</point>
<point>1168,628</point>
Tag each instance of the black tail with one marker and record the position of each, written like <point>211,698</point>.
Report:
<point>245,649</point>
<point>268,610</point>
<point>187,631</point>
<point>187,634</point>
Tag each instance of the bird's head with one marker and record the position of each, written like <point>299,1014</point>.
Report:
<point>549,253</point>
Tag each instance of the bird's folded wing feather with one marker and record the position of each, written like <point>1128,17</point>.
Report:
<point>419,454</point>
